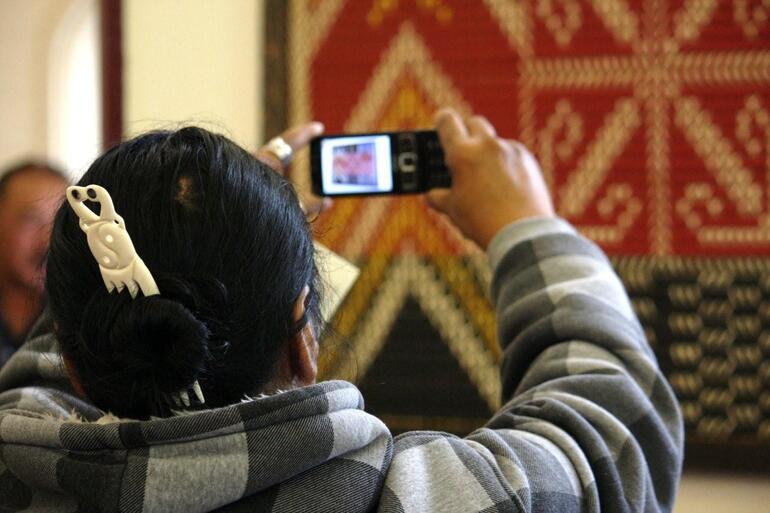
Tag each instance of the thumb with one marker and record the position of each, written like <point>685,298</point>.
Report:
<point>439,199</point>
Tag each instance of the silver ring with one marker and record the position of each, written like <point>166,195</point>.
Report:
<point>281,149</point>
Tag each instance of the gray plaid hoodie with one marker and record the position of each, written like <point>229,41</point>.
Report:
<point>588,424</point>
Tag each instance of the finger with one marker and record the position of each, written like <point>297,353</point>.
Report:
<point>313,205</point>
<point>517,146</point>
<point>523,153</point>
<point>299,136</point>
<point>480,126</point>
<point>450,127</point>
<point>526,158</point>
<point>296,137</point>
<point>439,199</point>
<point>269,158</point>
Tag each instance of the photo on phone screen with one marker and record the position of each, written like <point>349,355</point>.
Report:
<point>357,165</point>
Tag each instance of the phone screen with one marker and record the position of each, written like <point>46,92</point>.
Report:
<point>356,165</point>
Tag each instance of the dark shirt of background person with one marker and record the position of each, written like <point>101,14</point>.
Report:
<point>30,193</point>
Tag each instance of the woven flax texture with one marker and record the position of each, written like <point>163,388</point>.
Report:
<point>651,119</point>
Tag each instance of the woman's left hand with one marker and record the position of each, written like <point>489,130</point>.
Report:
<point>297,137</point>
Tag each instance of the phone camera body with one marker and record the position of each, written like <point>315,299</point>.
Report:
<point>377,163</point>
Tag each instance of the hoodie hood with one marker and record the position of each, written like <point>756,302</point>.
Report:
<point>298,450</point>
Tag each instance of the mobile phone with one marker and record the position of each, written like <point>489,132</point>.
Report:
<point>377,163</point>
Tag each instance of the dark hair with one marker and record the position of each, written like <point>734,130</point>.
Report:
<point>25,166</point>
<point>231,251</point>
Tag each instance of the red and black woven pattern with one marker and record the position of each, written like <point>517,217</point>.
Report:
<point>651,119</point>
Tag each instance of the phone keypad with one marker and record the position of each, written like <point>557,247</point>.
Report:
<point>439,173</point>
<point>407,162</point>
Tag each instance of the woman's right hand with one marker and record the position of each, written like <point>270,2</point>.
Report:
<point>494,181</point>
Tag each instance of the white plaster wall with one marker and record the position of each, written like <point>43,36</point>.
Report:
<point>194,61</point>
<point>26,29</point>
<point>74,88</point>
<point>186,61</point>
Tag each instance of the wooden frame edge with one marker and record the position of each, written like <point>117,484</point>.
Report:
<point>276,107</point>
<point>112,71</point>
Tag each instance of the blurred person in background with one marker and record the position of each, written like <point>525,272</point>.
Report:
<point>30,193</point>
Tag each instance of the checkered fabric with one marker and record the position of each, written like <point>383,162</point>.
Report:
<point>589,423</point>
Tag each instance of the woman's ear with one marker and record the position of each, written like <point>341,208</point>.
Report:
<point>304,357</point>
<point>299,306</point>
<point>303,348</point>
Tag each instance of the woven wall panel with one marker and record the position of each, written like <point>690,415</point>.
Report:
<point>709,323</point>
<point>651,120</point>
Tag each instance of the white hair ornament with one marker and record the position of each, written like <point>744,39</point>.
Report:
<point>119,264</point>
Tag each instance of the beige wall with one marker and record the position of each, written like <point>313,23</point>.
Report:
<point>185,61</point>
<point>26,29</point>
<point>723,492</point>
<point>194,61</point>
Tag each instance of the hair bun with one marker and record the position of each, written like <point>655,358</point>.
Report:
<point>144,349</point>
